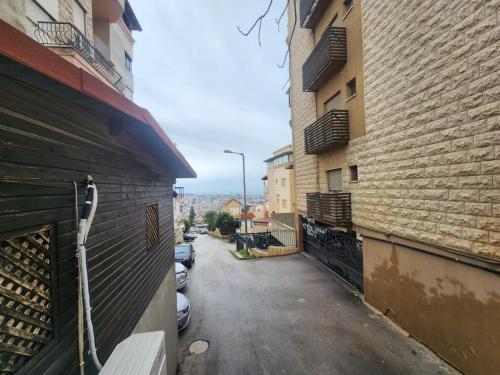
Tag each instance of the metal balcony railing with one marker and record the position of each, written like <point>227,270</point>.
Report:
<point>179,190</point>
<point>329,55</point>
<point>66,35</point>
<point>330,208</point>
<point>328,131</point>
<point>311,11</point>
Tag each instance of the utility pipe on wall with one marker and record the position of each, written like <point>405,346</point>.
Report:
<point>88,212</point>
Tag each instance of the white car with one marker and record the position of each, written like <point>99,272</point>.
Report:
<point>183,311</point>
<point>181,276</point>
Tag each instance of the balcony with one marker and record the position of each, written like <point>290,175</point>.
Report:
<point>330,130</point>
<point>330,208</point>
<point>66,35</point>
<point>311,11</point>
<point>329,55</point>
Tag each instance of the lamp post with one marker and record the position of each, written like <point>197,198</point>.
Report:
<point>244,194</point>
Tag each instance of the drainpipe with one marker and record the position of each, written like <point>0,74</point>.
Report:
<point>86,219</point>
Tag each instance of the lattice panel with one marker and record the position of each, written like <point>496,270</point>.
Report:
<point>152,226</point>
<point>25,298</point>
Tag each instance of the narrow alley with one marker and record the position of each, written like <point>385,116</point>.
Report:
<point>286,315</point>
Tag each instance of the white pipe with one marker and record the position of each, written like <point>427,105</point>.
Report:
<point>83,231</point>
<point>81,343</point>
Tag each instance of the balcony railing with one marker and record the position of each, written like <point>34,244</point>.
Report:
<point>328,131</point>
<point>330,208</point>
<point>329,55</point>
<point>66,35</point>
<point>311,11</point>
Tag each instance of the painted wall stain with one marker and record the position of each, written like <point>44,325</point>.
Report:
<point>442,312</point>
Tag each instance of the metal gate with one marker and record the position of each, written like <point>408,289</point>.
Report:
<point>340,251</point>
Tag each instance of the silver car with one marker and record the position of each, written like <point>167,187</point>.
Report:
<point>181,276</point>
<point>183,311</point>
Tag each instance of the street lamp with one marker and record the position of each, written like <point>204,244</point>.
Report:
<point>244,194</point>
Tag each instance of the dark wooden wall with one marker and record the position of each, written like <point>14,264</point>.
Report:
<point>45,143</point>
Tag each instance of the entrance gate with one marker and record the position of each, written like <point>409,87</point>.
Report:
<point>340,251</point>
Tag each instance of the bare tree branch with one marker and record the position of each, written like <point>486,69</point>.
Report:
<point>289,42</point>
<point>257,21</point>
<point>278,20</point>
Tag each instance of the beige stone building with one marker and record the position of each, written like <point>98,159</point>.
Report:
<point>280,181</point>
<point>95,35</point>
<point>396,124</point>
<point>233,207</point>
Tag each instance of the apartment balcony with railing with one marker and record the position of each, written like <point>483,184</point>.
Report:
<point>66,35</point>
<point>330,208</point>
<point>329,131</point>
<point>311,11</point>
<point>329,55</point>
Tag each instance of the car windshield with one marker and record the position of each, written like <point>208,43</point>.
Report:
<point>181,249</point>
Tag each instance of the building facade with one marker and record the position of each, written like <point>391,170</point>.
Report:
<point>95,35</point>
<point>280,179</point>
<point>232,207</point>
<point>60,124</point>
<point>406,160</point>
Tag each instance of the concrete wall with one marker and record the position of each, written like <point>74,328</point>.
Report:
<point>161,315</point>
<point>450,303</point>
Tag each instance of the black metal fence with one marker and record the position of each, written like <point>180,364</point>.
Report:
<point>66,35</point>
<point>340,251</point>
<point>260,240</point>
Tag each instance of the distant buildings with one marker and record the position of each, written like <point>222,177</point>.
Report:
<point>233,207</point>
<point>280,181</point>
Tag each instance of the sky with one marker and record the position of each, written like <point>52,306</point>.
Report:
<point>212,89</point>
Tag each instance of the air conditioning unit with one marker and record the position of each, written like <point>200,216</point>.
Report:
<point>140,354</point>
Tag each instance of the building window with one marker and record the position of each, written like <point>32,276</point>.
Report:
<point>79,17</point>
<point>128,62</point>
<point>284,203</point>
<point>152,226</point>
<point>278,198</point>
<point>348,5</point>
<point>351,88</point>
<point>335,180</point>
<point>283,182</point>
<point>353,173</point>
<point>333,103</point>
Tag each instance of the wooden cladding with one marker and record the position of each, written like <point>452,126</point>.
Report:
<point>329,55</point>
<point>25,297</point>
<point>152,226</point>
<point>330,208</point>
<point>328,131</point>
<point>311,11</point>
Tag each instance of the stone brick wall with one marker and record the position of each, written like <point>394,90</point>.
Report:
<point>303,111</point>
<point>429,164</point>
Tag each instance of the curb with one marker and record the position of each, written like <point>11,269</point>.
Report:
<point>240,257</point>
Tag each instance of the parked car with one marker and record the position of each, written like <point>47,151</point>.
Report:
<point>184,253</point>
<point>203,231</point>
<point>181,276</point>
<point>188,237</point>
<point>183,311</point>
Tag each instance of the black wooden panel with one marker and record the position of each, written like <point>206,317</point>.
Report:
<point>45,144</point>
<point>329,55</point>
<point>329,130</point>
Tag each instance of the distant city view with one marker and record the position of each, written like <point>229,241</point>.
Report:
<point>202,203</point>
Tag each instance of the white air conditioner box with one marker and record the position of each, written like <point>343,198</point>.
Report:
<point>140,354</point>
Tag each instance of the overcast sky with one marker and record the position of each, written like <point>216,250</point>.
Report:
<point>211,88</point>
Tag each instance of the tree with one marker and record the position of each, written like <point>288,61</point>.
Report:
<point>187,225</point>
<point>210,218</point>
<point>258,24</point>
<point>226,223</point>
<point>192,215</point>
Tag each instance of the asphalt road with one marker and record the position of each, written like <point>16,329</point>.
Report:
<point>286,315</point>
